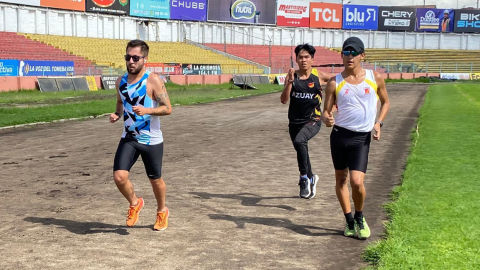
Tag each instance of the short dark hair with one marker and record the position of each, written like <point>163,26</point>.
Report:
<point>139,43</point>
<point>307,47</point>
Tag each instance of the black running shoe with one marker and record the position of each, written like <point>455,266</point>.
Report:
<point>305,190</point>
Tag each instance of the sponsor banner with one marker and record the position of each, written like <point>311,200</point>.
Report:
<point>281,79</point>
<point>475,76</point>
<point>467,21</point>
<point>396,18</point>
<point>455,76</point>
<point>325,15</point>
<point>434,20</point>
<point>46,68</point>
<point>78,5</point>
<point>8,67</point>
<point>360,17</point>
<point>92,83</point>
<point>201,69</point>
<point>159,9</point>
<point>242,11</point>
<point>188,10</point>
<point>293,13</point>
<point>161,68</point>
<point>120,7</point>
<point>109,82</point>
<point>24,2</point>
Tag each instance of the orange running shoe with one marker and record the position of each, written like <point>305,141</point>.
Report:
<point>162,221</point>
<point>133,213</point>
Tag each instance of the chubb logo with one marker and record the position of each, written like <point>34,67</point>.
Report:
<point>429,18</point>
<point>243,9</point>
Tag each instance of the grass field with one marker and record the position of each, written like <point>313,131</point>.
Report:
<point>32,106</point>
<point>434,213</point>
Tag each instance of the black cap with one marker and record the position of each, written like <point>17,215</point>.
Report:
<point>354,43</point>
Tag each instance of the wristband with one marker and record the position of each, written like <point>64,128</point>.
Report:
<point>381,123</point>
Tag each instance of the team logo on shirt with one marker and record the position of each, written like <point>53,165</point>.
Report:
<point>367,91</point>
<point>311,85</point>
<point>302,95</point>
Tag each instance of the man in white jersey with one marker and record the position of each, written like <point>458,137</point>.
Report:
<point>356,92</point>
<point>141,100</point>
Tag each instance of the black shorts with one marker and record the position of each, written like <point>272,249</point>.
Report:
<point>128,152</point>
<point>350,149</point>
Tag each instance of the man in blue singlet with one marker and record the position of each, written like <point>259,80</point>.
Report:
<point>141,100</point>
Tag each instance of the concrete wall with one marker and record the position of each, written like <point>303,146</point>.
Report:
<point>55,22</point>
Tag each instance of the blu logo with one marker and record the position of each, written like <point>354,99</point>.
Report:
<point>357,16</point>
<point>243,9</point>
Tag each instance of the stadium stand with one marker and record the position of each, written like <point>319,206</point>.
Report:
<point>325,59</point>
<point>110,52</point>
<point>432,61</point>
<point>15,46</point>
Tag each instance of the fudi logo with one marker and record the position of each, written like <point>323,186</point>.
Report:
<point>243,9</point>
<point>325,15</point>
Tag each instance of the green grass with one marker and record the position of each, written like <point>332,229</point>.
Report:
<point>434,220</point>
<point>30,106</point>
<point>428,80</point>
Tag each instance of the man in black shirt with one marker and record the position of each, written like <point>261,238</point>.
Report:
<point>305,93</point>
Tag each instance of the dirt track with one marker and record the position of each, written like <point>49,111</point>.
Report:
<point>232,180</point>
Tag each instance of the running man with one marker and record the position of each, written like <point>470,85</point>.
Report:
<point>304,89</point>
<point>355,91</point>
<point>141,100</point>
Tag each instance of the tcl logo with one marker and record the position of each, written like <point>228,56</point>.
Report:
<point>325,15</point>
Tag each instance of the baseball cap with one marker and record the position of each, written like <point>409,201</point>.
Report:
<point>446,11</point>
<point>354,43</point>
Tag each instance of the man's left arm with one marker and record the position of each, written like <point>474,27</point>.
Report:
<point>385,104</point>
<point>160,95</point>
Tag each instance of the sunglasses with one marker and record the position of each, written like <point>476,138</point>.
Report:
<point>134,57</point>
<point>353,53</point>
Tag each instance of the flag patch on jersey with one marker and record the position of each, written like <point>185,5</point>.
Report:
<point>367,91</point>
<point>311,85</point>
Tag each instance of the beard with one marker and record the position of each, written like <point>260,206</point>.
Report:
<point>136,71</point>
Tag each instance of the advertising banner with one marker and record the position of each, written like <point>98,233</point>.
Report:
<point>158,9</point>
<point>467,21</point>
<point>360,17</point>
<point>325,15</point>
<point>293,13</point>
<point>8,67</point>
<point>78,5</point>
<point>46,68</point>
<point>242,11</point>
<point>396,18</point>
<point>434,20</point>
<point>201,69</point>
<point>167,69</point>
<point>455,76</point>
<point>108,82</point>
<point>188,10</point>
<point>120,7</point>
<point>475,76</point>
<point>24,2</point>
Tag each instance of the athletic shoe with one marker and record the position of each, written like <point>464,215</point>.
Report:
<point>349,232</point>
<point>133,213</point>
<point>313,186</point>
<point>304,184</point>
<point>362,231</point>
<point>162,221</point>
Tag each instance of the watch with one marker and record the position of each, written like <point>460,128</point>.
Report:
<point>381,123</point>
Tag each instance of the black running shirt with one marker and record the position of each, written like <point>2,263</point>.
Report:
<point>305,100</point>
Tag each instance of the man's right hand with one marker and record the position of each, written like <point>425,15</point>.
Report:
<point>114,118</point>
<point>290,75</point>
<point>328,119</point>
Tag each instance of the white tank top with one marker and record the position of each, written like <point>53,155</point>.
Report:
<point>357,104</point>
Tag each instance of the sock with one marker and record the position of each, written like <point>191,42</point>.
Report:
<point>350,220</point>
<point>358,215</point>
<point>303,176</point>
<point>310,178</point>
